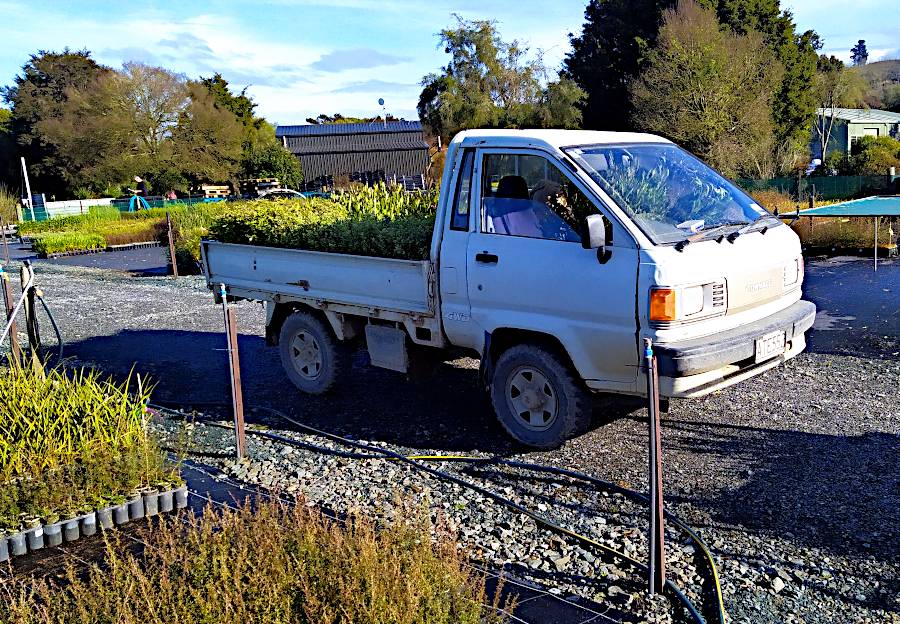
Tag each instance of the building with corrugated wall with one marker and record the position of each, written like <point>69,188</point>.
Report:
<point>397,148</point>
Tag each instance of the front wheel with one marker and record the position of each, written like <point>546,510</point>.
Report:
<point>311,355</point>
<point>537,398</point>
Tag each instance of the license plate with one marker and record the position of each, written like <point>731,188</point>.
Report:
<point>770,345</point>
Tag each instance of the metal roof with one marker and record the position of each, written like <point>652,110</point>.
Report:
<point>861,115</point>
<point>348,128</point>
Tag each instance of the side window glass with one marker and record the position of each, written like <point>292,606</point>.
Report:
<point>460,220</point>
<point>527,195</point>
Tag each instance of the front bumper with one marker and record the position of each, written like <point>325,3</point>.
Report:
<point>699,366</point>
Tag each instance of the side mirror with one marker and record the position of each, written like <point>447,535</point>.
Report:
<point>594,235</point>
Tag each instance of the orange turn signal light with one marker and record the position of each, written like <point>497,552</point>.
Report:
<point>662,304</point>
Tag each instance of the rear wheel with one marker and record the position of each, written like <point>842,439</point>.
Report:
<point>312,357</point>
<point>537,398</point>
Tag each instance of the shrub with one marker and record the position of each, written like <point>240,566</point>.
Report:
<point>274,564</point>
<point>368,221</point>
<point>58,242</point>
<point>71,441</point>
<point>875,155</point>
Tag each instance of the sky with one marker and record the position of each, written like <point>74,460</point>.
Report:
<point>300,58</point>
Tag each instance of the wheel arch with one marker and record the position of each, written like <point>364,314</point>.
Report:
<point>278,313</point>
<point>503,338</point>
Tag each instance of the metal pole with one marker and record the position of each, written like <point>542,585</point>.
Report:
<point>657,567</point>
<point>28,189</point>
<point>171,245</point>
<point>234,368</point>
<point>876,244</point>
<point>31,324</point>
<point>10,314</point>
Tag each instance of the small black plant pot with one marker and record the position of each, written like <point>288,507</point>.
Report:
<point>18,544</point>
<point>166,501</point>
<point>71,532</point>
<point>89,524</point>
<point>120,513</point>
<point>181,497</point>
<point>136,507</point>
<point>53,534</point>
<point>105,518</point>
<point>151,503</point>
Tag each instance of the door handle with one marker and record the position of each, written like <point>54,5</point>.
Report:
<point>487,258</point>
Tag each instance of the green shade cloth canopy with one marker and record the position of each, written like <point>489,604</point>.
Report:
<point>880,206</point>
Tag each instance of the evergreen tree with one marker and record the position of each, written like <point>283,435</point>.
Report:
<point>859,54</point>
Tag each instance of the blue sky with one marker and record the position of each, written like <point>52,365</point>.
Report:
<point>304,57</point>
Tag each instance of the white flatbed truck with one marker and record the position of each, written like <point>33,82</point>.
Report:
<point>554,254</point>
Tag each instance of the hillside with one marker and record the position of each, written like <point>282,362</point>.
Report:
<point>883,78</point>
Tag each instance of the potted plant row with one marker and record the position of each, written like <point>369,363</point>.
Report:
<point>52,529</point>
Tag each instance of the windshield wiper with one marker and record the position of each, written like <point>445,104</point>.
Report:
<point>733,236</point>
<point>706,233</point>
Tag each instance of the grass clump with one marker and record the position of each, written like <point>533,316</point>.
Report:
<point>271,564</point>
<point>71,442</point>
<point>59,242</point>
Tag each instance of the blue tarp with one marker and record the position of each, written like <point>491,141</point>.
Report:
<point>882,206</point>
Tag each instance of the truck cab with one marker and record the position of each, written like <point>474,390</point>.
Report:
<point>580,245</point>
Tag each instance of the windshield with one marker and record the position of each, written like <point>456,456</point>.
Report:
<point>670,194</point>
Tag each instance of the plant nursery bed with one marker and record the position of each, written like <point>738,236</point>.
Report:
<point>144,504</point>
<point>82,252</point>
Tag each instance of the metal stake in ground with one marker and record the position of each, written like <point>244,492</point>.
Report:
<point>31,322</point>
<point>171,245</point>
<point>657,566</point>
<point>234,368</point>
<point>9,306</point>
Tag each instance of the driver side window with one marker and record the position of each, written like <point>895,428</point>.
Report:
<point>526,195</point>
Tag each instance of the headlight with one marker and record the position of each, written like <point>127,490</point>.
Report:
<point>686,303</point>
<point>690,301</point>
<point>793,271</point>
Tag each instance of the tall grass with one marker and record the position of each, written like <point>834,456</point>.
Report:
<point>70,441</point>
<point>272,565</point>
<point>60,242</point>
<point>8,203</point>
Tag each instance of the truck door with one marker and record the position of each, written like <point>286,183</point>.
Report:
<point>527,268</point>
<point>457,317</point>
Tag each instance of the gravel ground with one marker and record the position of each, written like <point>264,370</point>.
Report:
<point>792,478</point>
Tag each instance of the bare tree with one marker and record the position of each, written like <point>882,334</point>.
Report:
<point>836,87</point>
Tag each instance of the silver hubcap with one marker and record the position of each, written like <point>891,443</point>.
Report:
<point>306,355</point>
<point>531,397</point>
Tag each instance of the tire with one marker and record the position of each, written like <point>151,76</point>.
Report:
<point>312,357</point>
<point>537,398</point>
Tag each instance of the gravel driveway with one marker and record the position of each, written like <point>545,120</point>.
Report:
<point>793,477</point>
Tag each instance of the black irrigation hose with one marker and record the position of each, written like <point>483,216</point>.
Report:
<point>542,520</point>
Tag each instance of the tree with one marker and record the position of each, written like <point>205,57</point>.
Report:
<point>709,90</point>
<point>874,155</point>
<point>492,83</point>
<point>38,95</point>
<point>8,177</point>
<point>618,36</point>
<point>274,160</point>
<point>207,142</point>
<point>836,87</point>
<point>859,54</point>
<point>610,52</point>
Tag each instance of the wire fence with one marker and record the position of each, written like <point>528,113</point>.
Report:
<point>825,187</point>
